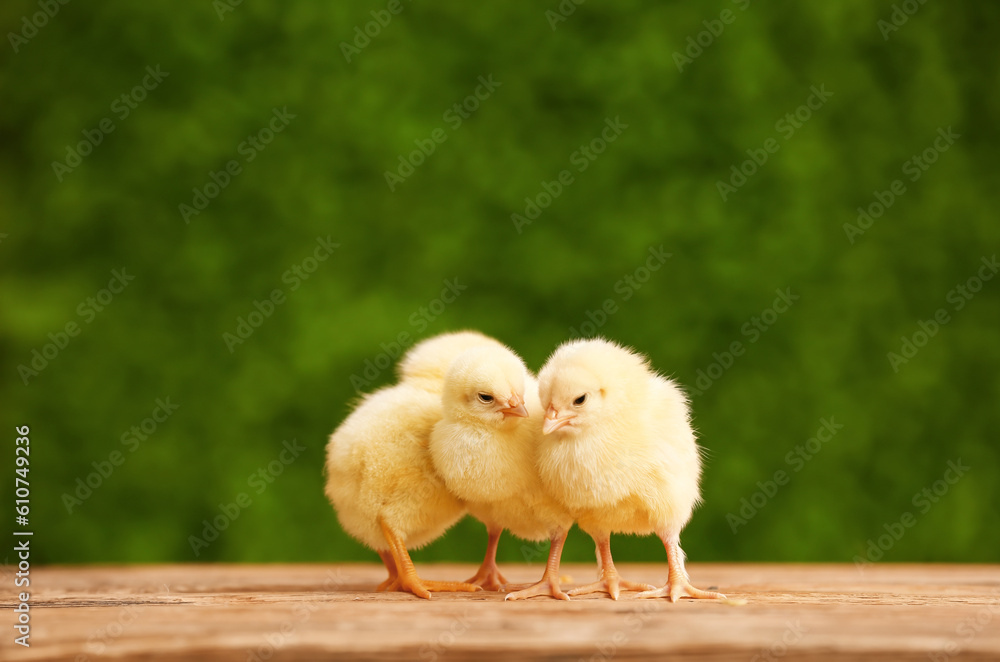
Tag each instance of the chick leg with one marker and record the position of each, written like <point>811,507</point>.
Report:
<point>392,582</point>
<point>610,581</point>
<point>408,579</point>
<point>488,576</point>
<point>549,584</point>
<point>678,584</point>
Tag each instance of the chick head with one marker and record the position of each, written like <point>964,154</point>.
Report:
<point>485,385</point>
<point>589,383</point>
<point>429,359</point>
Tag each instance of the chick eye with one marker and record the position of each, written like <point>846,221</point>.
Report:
<point>485,397</point>
<point>579,401</point>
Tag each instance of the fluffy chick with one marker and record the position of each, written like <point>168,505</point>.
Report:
<point>426,363</point>
<point>383,486</point>
<point>485,450</point>
<point>620,454</point>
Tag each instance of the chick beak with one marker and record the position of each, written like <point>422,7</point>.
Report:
<point>515,407</point>
<point>553,421</point>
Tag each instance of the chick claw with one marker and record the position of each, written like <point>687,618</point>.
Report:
<point>422,587</point>
<point>406,578</point>
<point>488,576</point>
<point>678,585</point>
<point>675,591</point>
<point>545,587</point>
<point>490,579</point>
<point>451,587</point>
<point>612,584</point>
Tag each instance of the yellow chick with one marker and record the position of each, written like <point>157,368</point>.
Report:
<point>383,486</point>
<point>379,475</point>
<point>619,453</point>
<point>485,450</point>
<point>426,363</point>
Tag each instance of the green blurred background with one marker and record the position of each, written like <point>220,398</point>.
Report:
<point>227,69</point>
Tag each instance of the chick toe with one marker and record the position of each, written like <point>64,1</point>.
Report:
<point>610,581</point>
<point>410,582</point>
<point>612,584</point>
<point>681,589</point>
<point>407,579</point>
<point>607,585</point>
<point>450,587</point>
<point>546,587</point>
<point>488,577</point>
<point>678,584</point>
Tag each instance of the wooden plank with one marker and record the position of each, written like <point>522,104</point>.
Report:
<point>292,612</point>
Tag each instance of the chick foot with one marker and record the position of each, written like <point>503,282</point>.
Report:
<point>407,579</point>
<point>682,589</point>
<point>678,584</point>
<point>610,581</point>
<point>612,584</point>
<point>488,576</point>
<point>422,588</point>
<point>549,584</point>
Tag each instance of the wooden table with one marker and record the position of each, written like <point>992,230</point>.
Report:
<point>284,612</point>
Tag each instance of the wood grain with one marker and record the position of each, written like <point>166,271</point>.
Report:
<point>303,612</point>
